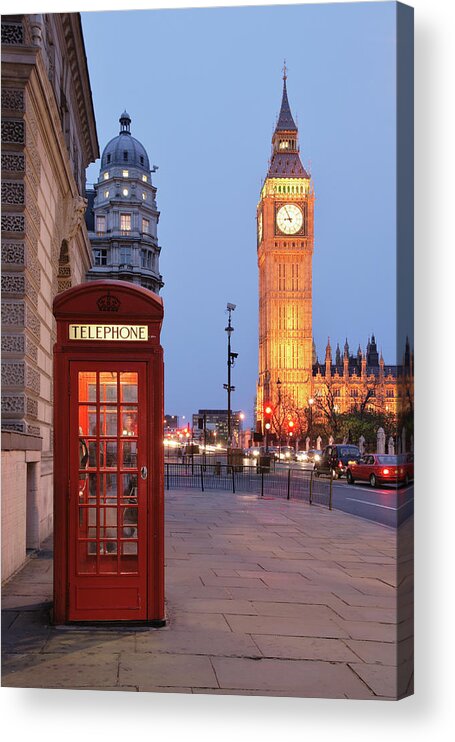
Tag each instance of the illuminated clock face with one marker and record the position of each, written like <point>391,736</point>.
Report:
<point>260,226</point>
<point>289,219</point>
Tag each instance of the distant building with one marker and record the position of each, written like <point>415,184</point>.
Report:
<point>216,423</point>
<point>48,139</point>
<point>122,214</point>
<point>171,423</point>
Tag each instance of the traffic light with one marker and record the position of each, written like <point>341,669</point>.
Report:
<point>267,416</point>
<point>291,427</point>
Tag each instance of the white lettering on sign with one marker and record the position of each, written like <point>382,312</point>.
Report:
<point>108,332</point>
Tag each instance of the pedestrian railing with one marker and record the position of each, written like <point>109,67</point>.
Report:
<point>287,483</point>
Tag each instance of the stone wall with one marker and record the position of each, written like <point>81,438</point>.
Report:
<point>48,139</point>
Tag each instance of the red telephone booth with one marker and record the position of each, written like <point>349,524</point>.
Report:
<point>108,455</point>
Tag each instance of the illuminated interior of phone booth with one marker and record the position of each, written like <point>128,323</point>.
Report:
<point>108,441</point>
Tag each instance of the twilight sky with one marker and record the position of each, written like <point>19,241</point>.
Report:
<point>203,88</point>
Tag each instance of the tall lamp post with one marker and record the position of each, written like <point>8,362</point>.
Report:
<point>278,386</point>
<point>230,362</point>
<point>311,403</point>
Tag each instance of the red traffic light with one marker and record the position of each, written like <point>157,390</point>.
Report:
<point>268,410</point>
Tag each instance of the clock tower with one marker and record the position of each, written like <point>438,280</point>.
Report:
<point>285,252</point>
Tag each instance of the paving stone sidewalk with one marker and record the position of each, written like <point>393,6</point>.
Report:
<point>264,597</point>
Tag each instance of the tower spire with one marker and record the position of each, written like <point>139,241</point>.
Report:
<point>285,118</point>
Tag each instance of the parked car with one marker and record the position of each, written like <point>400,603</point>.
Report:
<point>336,458</point>
<point>379,469</point>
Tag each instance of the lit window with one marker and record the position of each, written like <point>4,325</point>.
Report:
<point>144,178</point>
<point>144,196</point>
<point>106,176</point>
<point>126,173</point>
<point>125,222</point>
<point>100,223</point>
<point>125,191</point>
<point>145,225</point>
<point>106,194</point>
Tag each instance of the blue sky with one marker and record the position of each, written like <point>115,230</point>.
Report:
<point>203,88</point>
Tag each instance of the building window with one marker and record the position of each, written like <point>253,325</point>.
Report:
<point>144,196</point>
<point>100,224</point>
<point>281,277</point>
<point>337,393</point>
<point>108,158</point>
<point>144,178</point>
<point>125,173</point>
<point>125,222</point>
<point>125,191</point>
<point>146,259</point>
<point>142,159</point>
<point>354,392</point>
<point>106,176</point>
<point>146,226</point>
<point>106,194</point>
<point>100,257</point>
<point>125,255</point>
<point>390,393</point>
<point>125,155</point>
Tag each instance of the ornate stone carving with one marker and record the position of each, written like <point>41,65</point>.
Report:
<point>13,132</point>
<point>13,283</point>
<point>13,252</point>
<point>33,429</point>
<point>32,379</point>
<point>13,192</point>
<point>32,408</point>
<point>12,99</point>
<point>12,162</point>
<point>77,212</point>
<point>13,344</point>
<point>64,284</point>
<point>12,33</point>
<point>16,426</point>
<point>35,215</point>
<point>13,403</point>
<point>31,349</point>
<point>32,322</point>
<point>13,313</point>
<point>13,373</point>
<point>13,223</point>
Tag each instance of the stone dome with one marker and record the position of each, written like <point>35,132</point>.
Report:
<point>124,150</point>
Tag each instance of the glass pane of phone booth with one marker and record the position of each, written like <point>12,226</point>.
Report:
<point>108,527</point>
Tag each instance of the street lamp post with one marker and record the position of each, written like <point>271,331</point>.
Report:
<point>278,386</point>
<point>311,403</point>
<point>230,362</point>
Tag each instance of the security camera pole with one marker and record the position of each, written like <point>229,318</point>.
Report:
<point>230,362</point>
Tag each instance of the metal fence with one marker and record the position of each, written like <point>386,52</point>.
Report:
<point>287,483</point>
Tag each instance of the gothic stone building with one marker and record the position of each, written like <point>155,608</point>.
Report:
<point>48,139</point>
<point>285,237</point>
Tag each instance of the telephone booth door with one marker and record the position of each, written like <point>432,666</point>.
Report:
<point>109,469</point>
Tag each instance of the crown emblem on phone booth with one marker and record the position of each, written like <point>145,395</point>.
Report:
<point>108,303</point>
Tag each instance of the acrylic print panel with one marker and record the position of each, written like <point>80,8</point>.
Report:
<point>260,183</point>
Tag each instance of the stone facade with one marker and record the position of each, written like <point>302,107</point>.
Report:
<point>122,215</point>
<point>48,140</point>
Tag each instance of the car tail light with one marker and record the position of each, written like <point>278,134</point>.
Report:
<point>385,471</point>
<point>340,464</point>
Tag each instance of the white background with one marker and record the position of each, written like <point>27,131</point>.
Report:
<point>429,713</point>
